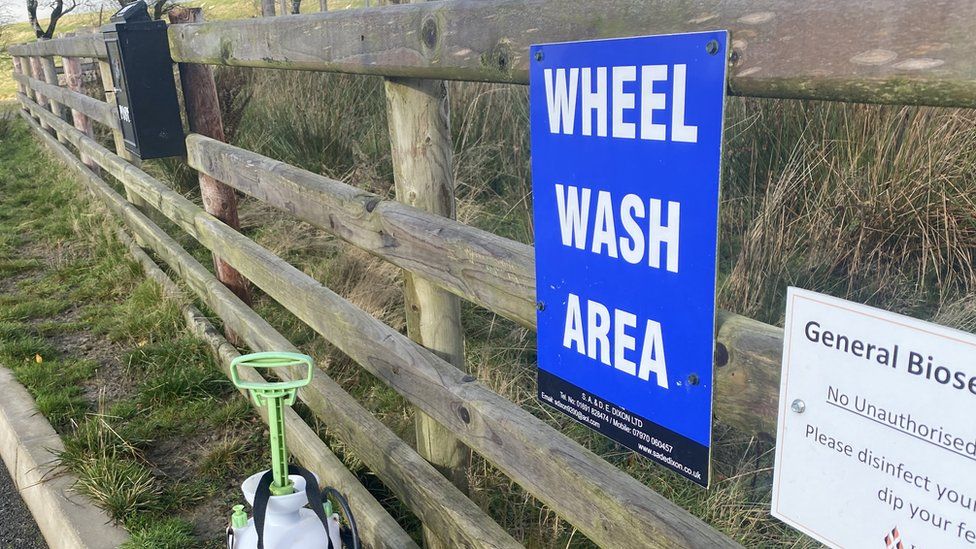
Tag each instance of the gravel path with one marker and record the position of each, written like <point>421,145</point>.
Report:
<point>17,528</point>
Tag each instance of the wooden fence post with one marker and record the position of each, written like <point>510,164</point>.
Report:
<point>108,85</point>
<point>420,138</point>
<point>37,72</point>
<point>72,79</point>
<point>323,5</point>
<point>28,67</point>
<point>203,115</point>
<point>283,7</point>
<point>267,8</point>
<point>51,77</point>
<point>19,69</point>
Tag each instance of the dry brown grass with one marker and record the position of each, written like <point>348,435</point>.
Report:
<point>869,203</point>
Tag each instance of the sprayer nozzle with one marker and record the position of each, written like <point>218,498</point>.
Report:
<point>239,518</point>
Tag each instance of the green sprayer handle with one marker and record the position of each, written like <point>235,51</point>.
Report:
<point>271,360</point>
<point>275,395</point>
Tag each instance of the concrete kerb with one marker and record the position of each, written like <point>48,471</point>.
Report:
<point>29,446</point>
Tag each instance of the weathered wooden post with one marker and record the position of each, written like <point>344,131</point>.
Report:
<point>420,137</point>
<point>203,114</point>
<point>37,72</point>
<point>72,79</point>
<point>28,70</point>
<point>51,77</point>
<point>323,5</point>
<point>19,69</point>
<point>108,84</point>
<point>267,8</point>
<point>283,7</point>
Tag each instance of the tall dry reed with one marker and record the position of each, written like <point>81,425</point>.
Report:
<point>869,203</point>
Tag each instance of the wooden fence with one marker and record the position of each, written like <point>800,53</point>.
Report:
<point>885,51</point>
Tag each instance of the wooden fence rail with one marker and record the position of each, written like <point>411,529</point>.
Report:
<point>487,269</point>
<point>304,443</point>
<point>83,45</point>
<point>916,53</point>
<point>428,493</point>
<point>610,507</point>
<point>876,51</point>
<point>94,109</point>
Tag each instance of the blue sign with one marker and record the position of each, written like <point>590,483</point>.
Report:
<point>626,154</point>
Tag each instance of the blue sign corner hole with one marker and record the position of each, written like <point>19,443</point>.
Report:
<point>626,141</point>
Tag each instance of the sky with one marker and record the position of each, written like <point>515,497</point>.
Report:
<point>9,7</point>
<point>16,10</point>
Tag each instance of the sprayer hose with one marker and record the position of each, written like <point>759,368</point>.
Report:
<point>334,494</point>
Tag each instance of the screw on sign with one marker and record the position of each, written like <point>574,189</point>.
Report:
<point>798,406</point>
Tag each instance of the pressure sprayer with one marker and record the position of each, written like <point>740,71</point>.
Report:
<point>278,496</point>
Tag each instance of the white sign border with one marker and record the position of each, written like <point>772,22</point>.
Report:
<point>792,294</point>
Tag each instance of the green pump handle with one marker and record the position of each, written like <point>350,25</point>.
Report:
<point>275,395</point>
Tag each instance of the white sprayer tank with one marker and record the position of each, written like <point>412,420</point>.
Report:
<point>288,524</point>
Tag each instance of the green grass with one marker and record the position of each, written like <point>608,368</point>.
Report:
<point>109,362</point>
<point>171,533</point>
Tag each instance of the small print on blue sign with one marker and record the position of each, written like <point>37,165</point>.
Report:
<point>626,156</point>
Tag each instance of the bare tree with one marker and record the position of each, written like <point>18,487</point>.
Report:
<point>58,10</point>
<point>161,8</point>
<point>157,8</point>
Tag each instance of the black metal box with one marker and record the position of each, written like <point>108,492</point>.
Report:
<point>145,90</point>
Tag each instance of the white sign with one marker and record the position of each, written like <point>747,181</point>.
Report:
<point>876,445</point>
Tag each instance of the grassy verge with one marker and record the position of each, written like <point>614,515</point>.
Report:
<point>155,433</point>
